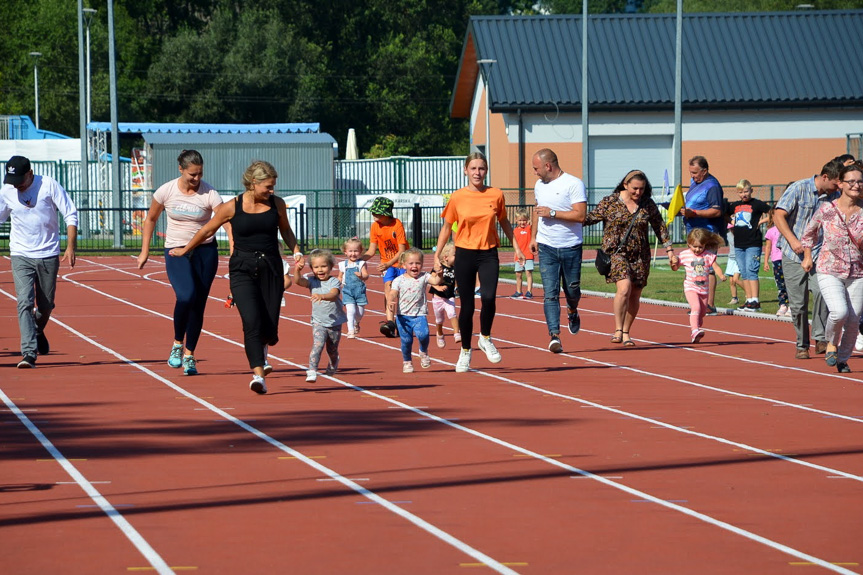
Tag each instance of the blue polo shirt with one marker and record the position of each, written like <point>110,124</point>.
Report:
<point>704,196</point>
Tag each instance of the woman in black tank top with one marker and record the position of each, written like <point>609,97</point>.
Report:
<point>257,280</point>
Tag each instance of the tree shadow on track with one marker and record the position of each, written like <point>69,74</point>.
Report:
<point>289,493</point>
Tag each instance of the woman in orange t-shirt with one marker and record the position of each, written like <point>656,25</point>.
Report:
<point>476,209</point>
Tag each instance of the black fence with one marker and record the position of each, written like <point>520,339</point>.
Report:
<point>314,227</point>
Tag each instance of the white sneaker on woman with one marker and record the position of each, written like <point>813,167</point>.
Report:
<point>858,345</point>
<point>463,363</point>
<point>491,352</point>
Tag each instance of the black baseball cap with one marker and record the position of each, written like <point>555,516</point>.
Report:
<point>17,169</point>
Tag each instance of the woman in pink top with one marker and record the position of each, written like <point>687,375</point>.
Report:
<point>189,203</point>
<point>840,263</point>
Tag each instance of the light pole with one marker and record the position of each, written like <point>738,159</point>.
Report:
<point>89,13</point>
<point>36,56</point>
<point>485,76</point>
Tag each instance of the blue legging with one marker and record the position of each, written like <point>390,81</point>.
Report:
<point>191,276</point>
<point>410,326</point>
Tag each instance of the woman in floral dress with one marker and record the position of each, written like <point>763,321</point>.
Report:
<point>630,265</point>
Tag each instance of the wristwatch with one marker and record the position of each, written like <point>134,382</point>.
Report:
<point>551,213</point>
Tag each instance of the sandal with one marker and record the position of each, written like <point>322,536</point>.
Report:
<point>617,338</point>
<point>627,342</point>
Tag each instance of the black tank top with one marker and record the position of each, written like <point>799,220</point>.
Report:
<point>255,232</point>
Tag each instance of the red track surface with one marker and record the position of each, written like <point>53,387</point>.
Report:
<point>726,457</point>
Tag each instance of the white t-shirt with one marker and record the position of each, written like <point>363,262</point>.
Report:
<point>35,225</point>
<point>186,213</point>
<point>559,195</point>
<point>412,294</point>
<point>354,267</point>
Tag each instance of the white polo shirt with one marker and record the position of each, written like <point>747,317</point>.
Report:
<point>559,195</point>
<point>34,213</point>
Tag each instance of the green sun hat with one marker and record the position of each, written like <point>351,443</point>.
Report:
<point>382,206</point>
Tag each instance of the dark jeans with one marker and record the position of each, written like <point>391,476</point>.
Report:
<point>470,264</point>
<point>559,267</point>
<point>257,284</point>
<point>191,276</point>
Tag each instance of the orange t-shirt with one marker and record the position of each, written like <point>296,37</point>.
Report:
<point>476,214</point>
<point>522,238</point>
<point>388,239</point>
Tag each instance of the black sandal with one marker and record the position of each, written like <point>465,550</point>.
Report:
<point>617,338</point>
<point>628,342</point>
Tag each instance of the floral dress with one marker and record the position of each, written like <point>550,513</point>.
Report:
<point>633,259</point>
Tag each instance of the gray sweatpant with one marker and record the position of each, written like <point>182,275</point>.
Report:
<point>799,283</point>
<point>35,284</point>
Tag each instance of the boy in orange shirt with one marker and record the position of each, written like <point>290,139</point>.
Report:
<point>388,235</point>
<point>521,236</point>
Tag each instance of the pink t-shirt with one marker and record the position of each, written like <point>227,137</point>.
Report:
<point>773,235</point>
<point>697,269</point>
<point>186,213</point>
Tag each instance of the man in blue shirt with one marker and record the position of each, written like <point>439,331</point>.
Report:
<point>703,209</point>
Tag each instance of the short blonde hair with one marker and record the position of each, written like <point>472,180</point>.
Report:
<point>522,213</point>
<point>325,254</point>
<point>352,242</point>
<point>414,251</point>
<point>743,184</point>
<point>448,248</point>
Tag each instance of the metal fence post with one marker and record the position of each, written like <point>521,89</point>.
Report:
<point>417,226</point>
<point>301,240</point>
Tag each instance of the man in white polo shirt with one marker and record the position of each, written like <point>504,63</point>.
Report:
<point>33,202</point>
<point>561,205</point>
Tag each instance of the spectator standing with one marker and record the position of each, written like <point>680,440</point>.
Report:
<point>32,203</point>
<point>746,217</point>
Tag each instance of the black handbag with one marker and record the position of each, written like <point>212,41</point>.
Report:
<point>603,259</point>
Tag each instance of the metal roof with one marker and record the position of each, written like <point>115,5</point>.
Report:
<point>238,138</point>
<point>730,60</point>
<point>160,128</point>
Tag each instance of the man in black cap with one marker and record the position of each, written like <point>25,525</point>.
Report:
<point>33,202</point>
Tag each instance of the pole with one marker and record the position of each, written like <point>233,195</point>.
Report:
<point>89,14</point>
<point>678,96</point>
<point>115,134</point>
<point>485,77</point>
<point>585,120</point>
<point>36,56</point>
<point>83,223</point>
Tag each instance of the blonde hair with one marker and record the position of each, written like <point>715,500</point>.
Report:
<point>743,184</point>
<point>258,171</point>
<point>705,237</point>
<point>448,249</point>
<point>414,251</point>
<point>352,242</point>
<point>325,254</point>
<point>522,213</point>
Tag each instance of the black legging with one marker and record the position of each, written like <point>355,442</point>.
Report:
<point>257,285</point>
<point>468,265</point>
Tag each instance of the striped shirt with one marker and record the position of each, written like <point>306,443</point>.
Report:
<point>799,202</point>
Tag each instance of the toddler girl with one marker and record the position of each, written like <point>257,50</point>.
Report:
<point>327,312</point>
<point>773,256</point>
<point>407,301</point>
<point>443,295</point>
<point>697,261</point>
<point>353,274</point>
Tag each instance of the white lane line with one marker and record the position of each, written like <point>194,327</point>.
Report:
<point>639,494</point>
<point>373,497</point>
<point>99,500</point>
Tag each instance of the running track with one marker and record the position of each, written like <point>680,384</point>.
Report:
<point>727,457</point>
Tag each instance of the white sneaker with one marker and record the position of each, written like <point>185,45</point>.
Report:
<point>351,335</point>
<point>491,352</point>
<point>408,367</point>
<point>697,335</point>
<point>257,385</point>
<point>425,360</point>
<point>441,341</point>
<point>463,363</point>
<point>783,311</point>
<point>456,337</point>
<point>311,376</point>
<point>858,345</point>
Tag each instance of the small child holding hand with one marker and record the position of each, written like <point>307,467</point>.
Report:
<point>697,261</point>
<point>407,302</point>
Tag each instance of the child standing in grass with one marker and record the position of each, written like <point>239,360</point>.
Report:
<point>443,295</point>
<point>521,235</point>
<point>407,302</point>
<point>773,257</point>
<point>328,315</point>
<point>697,261</point>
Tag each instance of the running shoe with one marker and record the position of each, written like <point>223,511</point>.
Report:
<point>351,335</point>
<point>257,385</point>
<point>574,322</point>
<point>268,369</point>
<point>528,295</point>
<point>734,301</point>
<point>517,294</point>
<point>554,346</point>
<point>463,363</point>
<point>441,341</point>
<point>783,311</point>
<point>491,352</point>
<point>190,366</point>
<point>408,367</point>
<point>456,337</point>
<point>176,357</point>
<point>425,360</point>
<point>27,362</point>
<point>842,367</point>
<point>858,345</point>
<point>311,376</point>
<point>711,310</point>
<point>697,335</point>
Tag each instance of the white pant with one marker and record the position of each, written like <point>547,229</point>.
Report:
<point>844,299</point>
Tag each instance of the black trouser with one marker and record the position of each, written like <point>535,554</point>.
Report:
<point>257,284</point>
<point>468,265</point>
